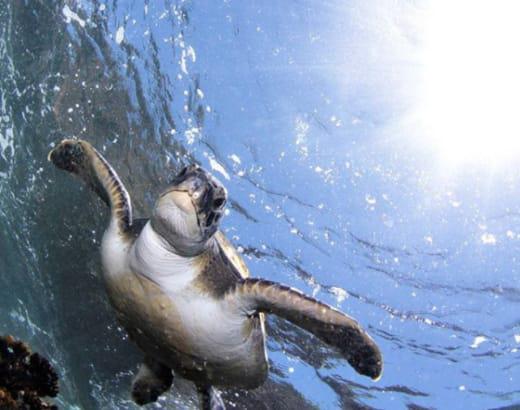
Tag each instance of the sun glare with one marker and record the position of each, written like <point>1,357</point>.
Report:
<point>470,96</point>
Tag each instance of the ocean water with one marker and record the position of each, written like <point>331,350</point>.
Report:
<point>301,109</point>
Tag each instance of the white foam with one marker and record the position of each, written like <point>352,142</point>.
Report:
<point>185,53</point>
<point>184,69</point>
<point>488,239</point>
<point>235,158</point>
<point>478,341</point>
<point>371,200</point>
<point>6,141</point>
<point>70,15</point>
<point>191,134</point>
<point>301,128</point>
<point>341,294</point>
<point>120,35</point>
<point>215,166</point>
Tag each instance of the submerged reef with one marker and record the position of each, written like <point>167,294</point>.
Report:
<point>25,377</point>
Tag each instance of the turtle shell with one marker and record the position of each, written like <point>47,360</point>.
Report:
<point>231,253</point>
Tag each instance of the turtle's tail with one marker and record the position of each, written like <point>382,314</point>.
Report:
<point>81,158</point>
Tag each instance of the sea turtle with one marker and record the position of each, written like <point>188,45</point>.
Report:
<point>182,291</point>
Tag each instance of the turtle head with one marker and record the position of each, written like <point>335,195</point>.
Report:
<point>188,212</point>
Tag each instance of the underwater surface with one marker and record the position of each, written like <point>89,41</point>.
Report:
<point>305,110</point>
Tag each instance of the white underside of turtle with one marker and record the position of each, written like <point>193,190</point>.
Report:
<point>153,291</point>
<point>182,291</point>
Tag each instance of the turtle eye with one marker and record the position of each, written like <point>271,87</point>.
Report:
<point>217,203</point>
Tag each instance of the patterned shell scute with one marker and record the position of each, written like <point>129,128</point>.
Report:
<point>232,255</point>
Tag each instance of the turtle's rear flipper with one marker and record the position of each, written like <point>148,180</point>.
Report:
<point>152,380</point>
<point>328,324</point>
<point>210,398</point>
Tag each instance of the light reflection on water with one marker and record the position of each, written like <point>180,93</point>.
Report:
<point>298,107</point>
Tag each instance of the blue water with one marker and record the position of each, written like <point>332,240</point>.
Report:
<point>296,106</point>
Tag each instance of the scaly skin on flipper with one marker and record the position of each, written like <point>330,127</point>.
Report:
<point>328,324</point>
<point>81,158</point>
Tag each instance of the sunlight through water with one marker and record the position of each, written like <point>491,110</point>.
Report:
<point>468,105</point>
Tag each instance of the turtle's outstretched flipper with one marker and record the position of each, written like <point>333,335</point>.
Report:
<point>81,158</point>
<point>328,324</point>
<point>210,398</point>
<point>152,380</point>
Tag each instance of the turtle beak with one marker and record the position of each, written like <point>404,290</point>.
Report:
<point>195,189</point>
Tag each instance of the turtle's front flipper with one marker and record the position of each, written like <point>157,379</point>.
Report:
<point>328,324</point>
<point>152,380</point>
<point>81,158</point>
<point>210,398</point>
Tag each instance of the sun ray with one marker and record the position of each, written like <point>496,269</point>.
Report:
<point>468,103</point>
